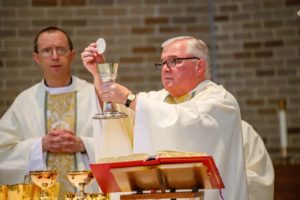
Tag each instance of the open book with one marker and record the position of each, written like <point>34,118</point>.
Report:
<point>168,170</point>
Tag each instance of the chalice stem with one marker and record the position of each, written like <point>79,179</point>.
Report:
<point>104,106</point>
<point>44,195</point>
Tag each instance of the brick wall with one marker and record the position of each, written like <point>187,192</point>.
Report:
<point>255,46</point>
<point>258,60</point>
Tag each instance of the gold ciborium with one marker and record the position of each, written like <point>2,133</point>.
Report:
<point>3,191</point>
<point>19,191</point>
<point>44,179</point>
<point>80,179</point>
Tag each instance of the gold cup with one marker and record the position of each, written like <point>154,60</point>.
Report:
<point>80,179</point>
<point>45,180</point>
<point>3,192</point>
<point>20,191</point>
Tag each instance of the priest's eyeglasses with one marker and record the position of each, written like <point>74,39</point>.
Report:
<point>172,62</point>
<point>48,52</point>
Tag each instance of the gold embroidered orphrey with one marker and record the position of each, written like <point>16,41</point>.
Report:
<point>61,114</point>
<point>175,100</point>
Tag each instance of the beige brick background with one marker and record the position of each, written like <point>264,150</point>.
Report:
<point>255,47</point>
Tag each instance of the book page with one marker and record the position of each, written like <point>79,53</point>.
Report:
<point>146,157</point>
<point>130,157</point>
<point>174,154</point>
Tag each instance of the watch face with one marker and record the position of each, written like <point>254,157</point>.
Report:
<point>131,97</point>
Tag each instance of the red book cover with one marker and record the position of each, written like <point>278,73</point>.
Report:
<point>158,173</point>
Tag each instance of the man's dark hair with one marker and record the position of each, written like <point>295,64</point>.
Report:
<point>51,29</point>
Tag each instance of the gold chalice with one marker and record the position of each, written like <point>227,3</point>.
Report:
<point>80,179</point>
<point>19,191</point>
<point>3,191</point>
<point>108,73</point>
<point>44,179</point>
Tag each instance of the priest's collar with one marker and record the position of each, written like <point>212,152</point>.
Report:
<point>58,90</point>
<point>180,99</point>
<point>187,96</point>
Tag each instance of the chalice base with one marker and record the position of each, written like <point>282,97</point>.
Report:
<point>110,115</point>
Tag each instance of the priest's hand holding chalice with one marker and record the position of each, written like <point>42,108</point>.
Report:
<point>103,73</point>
